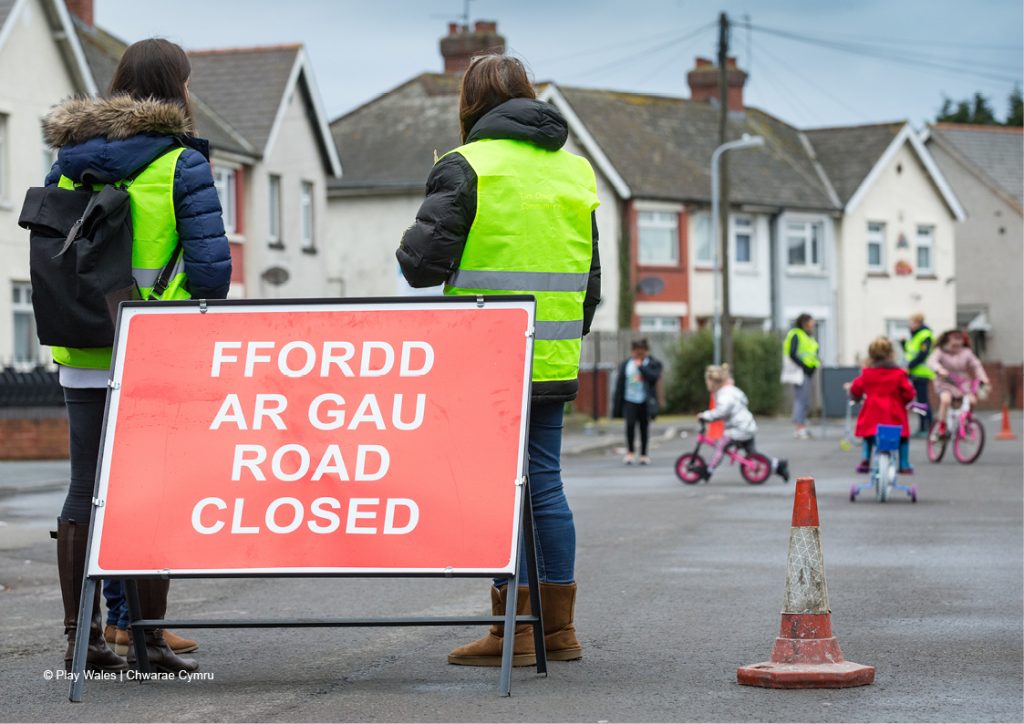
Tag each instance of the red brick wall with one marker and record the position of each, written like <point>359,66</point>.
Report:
<point>34,434</point>
<point>585,397</point>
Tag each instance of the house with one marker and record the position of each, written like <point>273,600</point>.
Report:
<point>271,153</point>
<point>984,167</point>
<point>895,239</point>
<point>40,30</point>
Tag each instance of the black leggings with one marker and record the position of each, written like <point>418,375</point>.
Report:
<point>634,414</point>
<point>85,423</point>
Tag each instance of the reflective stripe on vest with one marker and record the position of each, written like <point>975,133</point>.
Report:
<point>912,347</point>
<point>532,234</point>
<point>806,347</point>
<point>155,237</point>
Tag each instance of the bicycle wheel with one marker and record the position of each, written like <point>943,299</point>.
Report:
<point>968,447</point>
<point>882,475</point>
<point>756,468</point>
<point>936,444</point>
<point>691,468</point>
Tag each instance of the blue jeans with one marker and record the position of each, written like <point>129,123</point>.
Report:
<point>553,527</point>
<point>802,400</point>
<point>117,603</point>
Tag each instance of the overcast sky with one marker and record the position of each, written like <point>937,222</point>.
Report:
<point>867,60</point>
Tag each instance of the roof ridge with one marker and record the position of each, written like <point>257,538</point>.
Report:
<point>977,127</point>
<point>880,124</point>
<point>248,49</point>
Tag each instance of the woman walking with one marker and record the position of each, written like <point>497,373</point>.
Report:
<point>799,361</point>
<point>140,134</point>
<point>636,397</point>
<point>510,211</point>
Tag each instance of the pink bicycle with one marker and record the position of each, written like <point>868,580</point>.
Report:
<point>755,468</point>
<point>960,425</point>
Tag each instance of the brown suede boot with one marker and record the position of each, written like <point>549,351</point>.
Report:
<point>558,601</point>
<point>72,542</point>
<point>177,644</point>
<point>486,651</point>
<point>153,602</point>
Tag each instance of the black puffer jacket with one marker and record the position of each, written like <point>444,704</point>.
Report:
<point>432,247</point>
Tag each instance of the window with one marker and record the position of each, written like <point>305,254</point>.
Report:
<point>274,201</point>
<point>659,324</point>
<point>925,250</point>
<point>49,156</point>
<point>876,247</point>
<point>743,242</point>
<point>659,238</point>
<point>3,157</point>
<point>224,182</point>
<point>26,346</point>
<point>804,241</point>
<point>306,209</point>
<point>703,249</point>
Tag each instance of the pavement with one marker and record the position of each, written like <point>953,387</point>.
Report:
<point>678,586</point>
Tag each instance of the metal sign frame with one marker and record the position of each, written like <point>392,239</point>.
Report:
<point>523,559</point>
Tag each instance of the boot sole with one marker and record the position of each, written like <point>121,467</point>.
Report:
<point>120,649</point>
<point>517,660</point>
<point>565,655</point>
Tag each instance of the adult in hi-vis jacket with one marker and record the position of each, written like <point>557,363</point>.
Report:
<point>480,232</point>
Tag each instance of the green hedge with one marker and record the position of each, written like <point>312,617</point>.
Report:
<point>758,364</point>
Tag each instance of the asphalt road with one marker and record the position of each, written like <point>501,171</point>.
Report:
<point>678,586</point>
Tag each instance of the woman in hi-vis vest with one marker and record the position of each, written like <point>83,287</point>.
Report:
<point>142,127</point>
<point>489,238</point>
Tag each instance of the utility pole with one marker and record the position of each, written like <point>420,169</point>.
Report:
<point>723,210</point>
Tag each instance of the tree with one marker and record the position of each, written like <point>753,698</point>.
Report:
<point>1015,114</point>
<point>977,110</point>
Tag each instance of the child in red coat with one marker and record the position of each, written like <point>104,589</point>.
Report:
<point>886,391</point>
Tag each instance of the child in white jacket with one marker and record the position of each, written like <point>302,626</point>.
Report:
<point>731,407</point>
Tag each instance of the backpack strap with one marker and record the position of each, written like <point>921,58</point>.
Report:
<point>167,273</point>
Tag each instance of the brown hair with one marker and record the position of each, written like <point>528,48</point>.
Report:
<point>945,337</point>
<point>154,68</point>
<point>717,374</point>
<point>880,350</point>
<point>640,343</point>
<point>489,81</point>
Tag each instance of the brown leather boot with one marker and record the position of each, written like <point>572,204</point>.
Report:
<point>72,542</point>
<point>177,644</point>
<point>486,651</point>
<point>558,602</point>
<point>153,603</point>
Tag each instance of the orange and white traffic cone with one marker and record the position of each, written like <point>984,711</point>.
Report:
<point>1007,432</point>
<point>716,429</point>
<point>806,654</point>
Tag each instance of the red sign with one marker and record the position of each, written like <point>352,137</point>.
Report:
<point>315,438</point>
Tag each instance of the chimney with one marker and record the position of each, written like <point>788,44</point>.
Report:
<point>461,44</point>
<point>703,80</point>
<point>82,9</point>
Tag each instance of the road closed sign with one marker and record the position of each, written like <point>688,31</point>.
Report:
<point>248,437</point>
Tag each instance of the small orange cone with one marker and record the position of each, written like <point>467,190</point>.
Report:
<point>806,654</point>
<point>715,429</point>
<point>1006,433</point>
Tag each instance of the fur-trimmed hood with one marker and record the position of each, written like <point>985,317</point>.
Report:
<point>78,119</point>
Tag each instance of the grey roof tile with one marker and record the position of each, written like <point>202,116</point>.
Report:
<point>5,9</point>
<point>245,86</point>
<point>849,153</point>
<point>997,152</point>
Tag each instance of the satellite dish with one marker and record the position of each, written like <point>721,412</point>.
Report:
<point>650,285</point>
<point>275,276</point>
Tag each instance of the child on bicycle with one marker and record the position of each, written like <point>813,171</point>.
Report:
<point>886,391</point>
<point>956,364</point>
<point>731,407</point>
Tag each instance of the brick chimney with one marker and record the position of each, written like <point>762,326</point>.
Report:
<point>82,9</point>
<point>461,44</point>
<point>703,80</point>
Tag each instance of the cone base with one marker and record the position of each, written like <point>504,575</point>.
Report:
<point>1006,436</point>
<point>772,675</point>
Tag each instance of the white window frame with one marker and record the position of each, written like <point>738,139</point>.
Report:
<point>226,182</point>
<point>21,305</point>
<point>929,244</point>
<point>810,266</point>
<point>875,237</point>
<point>307,215</point>
<point>4,126</point>
<point>274,210</point>
<point>660,323</point>
<point>657,219</point>
<point>751,232</point>
<point>703,241</point>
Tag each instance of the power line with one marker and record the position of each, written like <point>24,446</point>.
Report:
<point>606,48</point>
<point>622,62</point>
<point>673,57</point>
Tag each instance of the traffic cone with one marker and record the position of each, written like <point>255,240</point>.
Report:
<point>1006,433</point>
<point>806,654</point>
<point>716,429</point>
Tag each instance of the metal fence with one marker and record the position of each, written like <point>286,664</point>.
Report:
<point>38,387</point>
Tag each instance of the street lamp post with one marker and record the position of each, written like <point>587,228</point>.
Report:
<point>720,246</point>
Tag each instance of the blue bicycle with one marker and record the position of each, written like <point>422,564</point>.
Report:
<point>884,467</point>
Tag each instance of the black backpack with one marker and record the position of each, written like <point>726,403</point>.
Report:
<point>80,261</point>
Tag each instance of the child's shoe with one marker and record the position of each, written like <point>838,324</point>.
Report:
<point>782,469</point>
<point>864,467</point>
<point>907,471</point>
<point>629,458</point>
<point>645,460</point>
